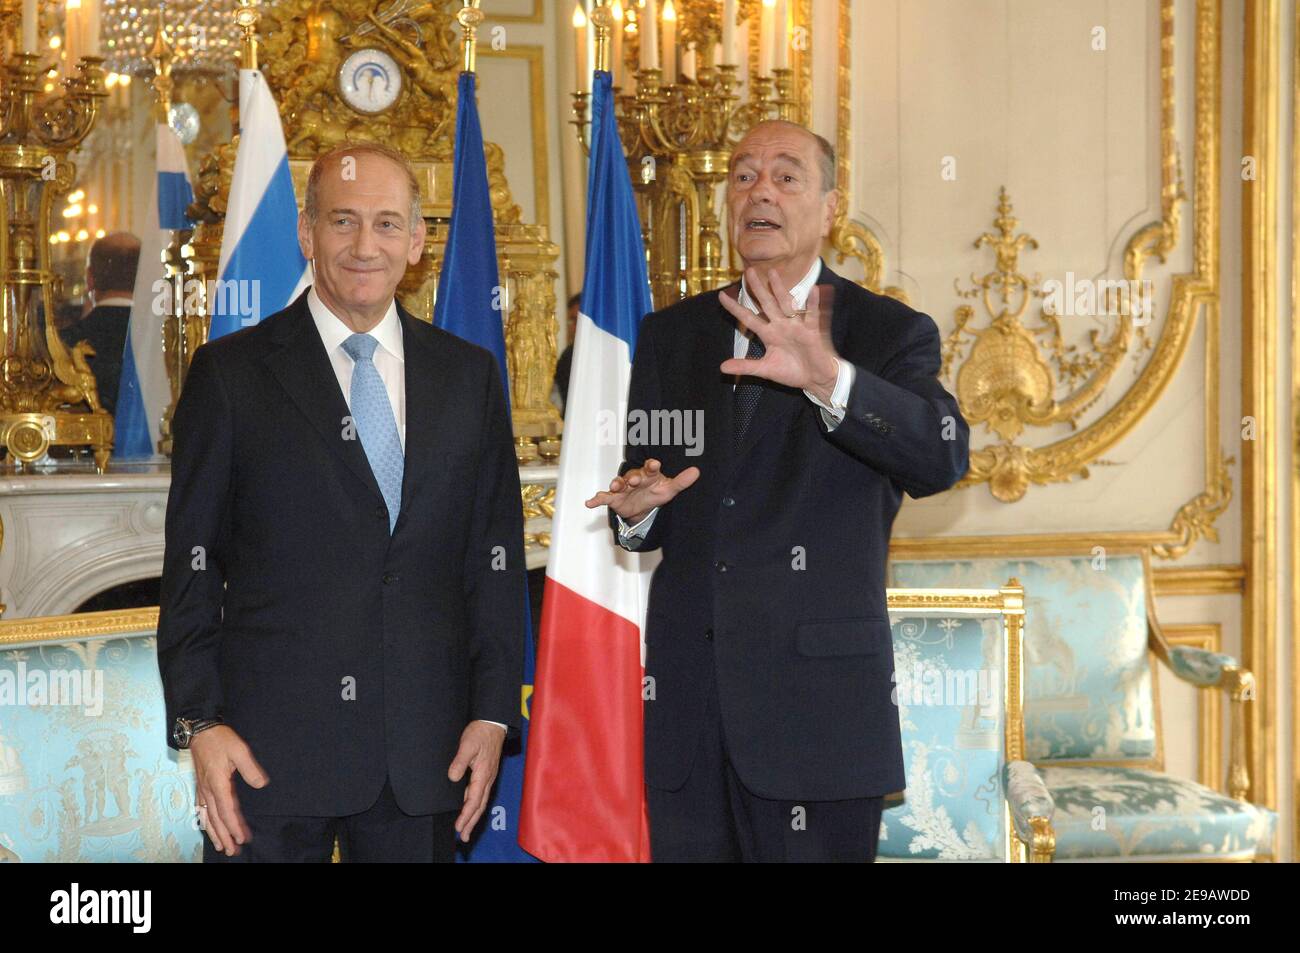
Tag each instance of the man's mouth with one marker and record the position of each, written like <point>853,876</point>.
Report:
<point>761,225</point>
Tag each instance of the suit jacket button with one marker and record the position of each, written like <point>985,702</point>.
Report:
<point>708,633</point>
<point>720,566</point>
<point>390,578</point>
<point>728,501</point>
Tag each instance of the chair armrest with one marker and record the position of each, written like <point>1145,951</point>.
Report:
<point>1199,666</point>
<point>1032,808</point>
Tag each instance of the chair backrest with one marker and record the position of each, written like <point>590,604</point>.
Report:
<point>85,771</point>
<point>957,673</point>
<point>1089,678</point>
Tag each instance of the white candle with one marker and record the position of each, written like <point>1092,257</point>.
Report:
<point>72,45</point>
<point>90,11</point>
<point>580,40</point>
<point>616,41</point>
<point>648,24</point>
<point>688,63</point>
<point>729,52</point>
<point>767,18</point>
<point>670,42</point>
<point>781,37</point>
<point>29,26</point>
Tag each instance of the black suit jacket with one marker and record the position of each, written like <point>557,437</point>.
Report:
<point>773,563</point>
<point>105,328</point>
<point>341,654</point>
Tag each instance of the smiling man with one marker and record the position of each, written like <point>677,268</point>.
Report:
<point>771,733</point>
<point>340,635</point>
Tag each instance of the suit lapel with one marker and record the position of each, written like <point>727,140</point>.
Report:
<point>430,410</point>
<point>711,390</point>
<point>303,369</point>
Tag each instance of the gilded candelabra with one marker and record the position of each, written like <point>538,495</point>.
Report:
<point>678,138</point>
<point>48,395</point>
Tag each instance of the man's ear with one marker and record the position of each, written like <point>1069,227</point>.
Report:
<point>304,236</point>
<point>832,204</point>
<point>416,251</point>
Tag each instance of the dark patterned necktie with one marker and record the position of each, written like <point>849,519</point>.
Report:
<point>748,391</point>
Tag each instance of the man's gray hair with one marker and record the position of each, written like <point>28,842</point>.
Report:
<point>311,203</point>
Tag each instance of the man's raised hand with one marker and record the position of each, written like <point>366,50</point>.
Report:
<point>634,494</point>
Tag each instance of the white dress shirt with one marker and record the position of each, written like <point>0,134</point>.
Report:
<point>832,413</point>
<point>389,359</point>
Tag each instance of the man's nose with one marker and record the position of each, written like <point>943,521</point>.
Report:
<point>365,245</point>
<point>762,191</point>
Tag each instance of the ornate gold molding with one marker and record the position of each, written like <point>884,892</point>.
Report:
<point>79,626</point>
<point>1200,581</point>
<point>1010,468</point>
<point>1259,342</point>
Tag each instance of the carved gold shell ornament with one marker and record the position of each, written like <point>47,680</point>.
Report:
<point>1009,374</point>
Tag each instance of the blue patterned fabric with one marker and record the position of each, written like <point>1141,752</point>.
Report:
<point>950,675</point>
<point>1088,693</point>
<point>1027,796</point>
<point>1135,814</point>
<point>1199,666</point>
<point>90,781</point>
<point>373,414</point>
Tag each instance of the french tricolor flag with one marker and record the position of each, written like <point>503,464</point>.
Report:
<point>143,392</point>
<point>584,795</point>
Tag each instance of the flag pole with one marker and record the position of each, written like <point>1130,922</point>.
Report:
<point>603,20</point>
<point>470,16</point>
<point>246,19</point>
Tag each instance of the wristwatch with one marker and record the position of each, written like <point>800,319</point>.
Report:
<point>185,729</point>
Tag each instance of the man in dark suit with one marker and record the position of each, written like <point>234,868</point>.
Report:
<point>110,285</point>
<point>341,634</point>
<point>770,730</point>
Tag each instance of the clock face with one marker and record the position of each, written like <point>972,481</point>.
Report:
<point>370,81</point>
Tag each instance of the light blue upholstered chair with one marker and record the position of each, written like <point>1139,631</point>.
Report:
<point>89,779</point>
<point>1091,711</point>
<point>969,797</point>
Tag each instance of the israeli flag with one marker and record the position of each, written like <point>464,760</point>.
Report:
<point>261,268</point>
<point>144,391</point>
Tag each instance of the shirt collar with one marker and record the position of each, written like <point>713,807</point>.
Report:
<point>799,292</point>
<point>114,301</point>
<point>333,332</point>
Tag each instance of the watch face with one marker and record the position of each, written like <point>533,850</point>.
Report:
<point>370,81</point>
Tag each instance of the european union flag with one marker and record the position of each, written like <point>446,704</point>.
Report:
<point>468,305</point>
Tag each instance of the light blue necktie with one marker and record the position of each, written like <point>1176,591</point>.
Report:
<point>373,415</point>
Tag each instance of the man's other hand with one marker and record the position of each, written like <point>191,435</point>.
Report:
<point>638,491</point>
<point>480,754</point>
<point>218,753</point>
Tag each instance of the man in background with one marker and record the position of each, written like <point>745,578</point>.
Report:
<point>565,363</point>
<point>110,286</point>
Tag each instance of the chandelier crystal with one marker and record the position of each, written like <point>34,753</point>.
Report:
<point>204,36</point>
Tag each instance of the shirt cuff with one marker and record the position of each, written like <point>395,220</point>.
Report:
<point>641,528</point>
<point>489,721</point>
<point>833,413</point>
<point>629,537</point>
